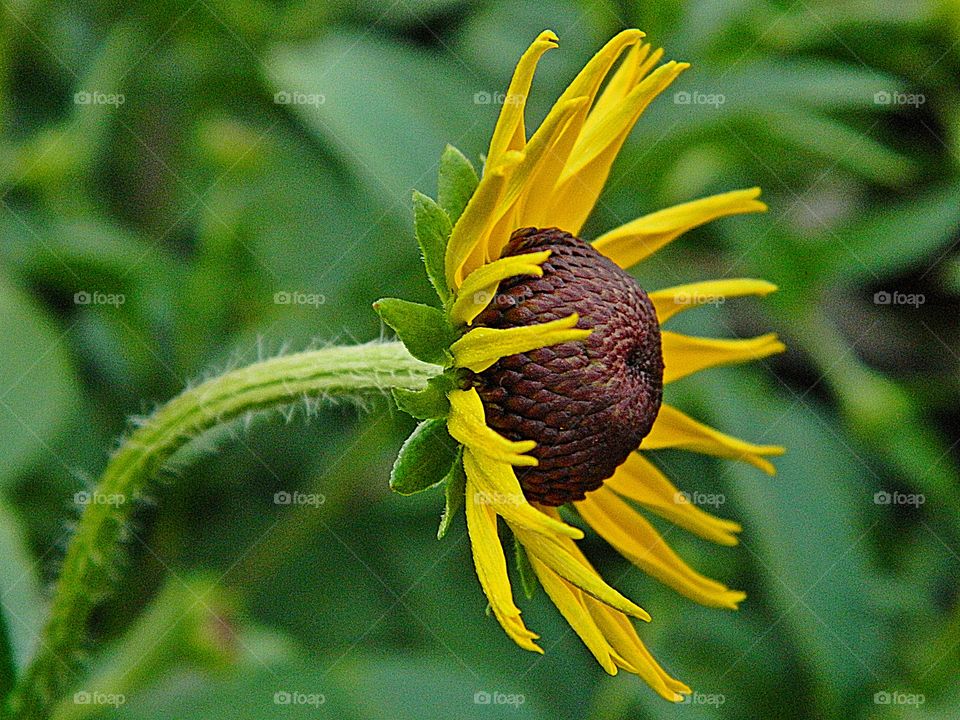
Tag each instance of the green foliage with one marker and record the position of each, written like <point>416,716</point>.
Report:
<point>456,181</point>
<point>432,229</point>
<point>425,330</point>
<point>424,459</point>
<point>429,403</point>
<point>236,225</point>
<point>454,493</point>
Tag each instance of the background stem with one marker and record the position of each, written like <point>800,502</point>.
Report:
<point>89,568</point>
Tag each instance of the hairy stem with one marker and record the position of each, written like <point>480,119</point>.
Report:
<point>89,568</point>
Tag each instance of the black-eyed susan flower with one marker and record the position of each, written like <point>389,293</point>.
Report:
<point>555,362</point>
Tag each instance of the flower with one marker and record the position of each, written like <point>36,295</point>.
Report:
<point>555,361</point>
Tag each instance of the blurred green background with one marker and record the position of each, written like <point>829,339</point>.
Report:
<point>167,167</point>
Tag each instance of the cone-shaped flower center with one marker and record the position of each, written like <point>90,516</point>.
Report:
<point>586,404</point>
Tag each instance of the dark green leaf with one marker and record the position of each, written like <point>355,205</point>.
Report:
<point>22,605</point>
<point>425,458</point>
<point>429,403</point>
<point>423,329</point>
<point>432,228</point>
<point>456,182</point>
<point>454,491</point>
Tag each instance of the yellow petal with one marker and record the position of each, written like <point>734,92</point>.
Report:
<point>480,286</point>
<point>482,347</point>
<point>637,540</point>
<point>542,151</point>
<point>629,244</point>
<point>467,424</point>
<point>586,85</point>
<point>491,568</point>
<point>509,133</point>
<point>496,485</point>
<point>588,167</point>
<point>622,637</point>
<point>675,429</point>
<point>554,553</point>
<point>639,480</point>
<point>619,86</point>
<point>670,301</point>
<point>570,602</point>
<point>684,354</point>
<point>477,219</point>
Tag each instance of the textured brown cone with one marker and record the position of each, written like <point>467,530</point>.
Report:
<point>586,404</point>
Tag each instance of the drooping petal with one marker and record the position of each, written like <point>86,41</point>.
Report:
<point>629,244</point>
<point>639,480</point>
<point>510,134</point>
<point>496,485</point>
<point>467,424</point>
<point>588,167</point>
<point>622,637</point>
<point>482,347</point>
<point>491,568</point>
<point>670,301</point>
<point>636,539</point>
<point>555,553</point>
<point>570,601</point>
<point>675,429</point>
<point>477,219</point>
<point>480,286</point>
<point>586,85</point>
<point>685,354</point>
<point>619,633</point>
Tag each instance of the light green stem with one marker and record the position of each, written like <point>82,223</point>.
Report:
<point>89,569</point>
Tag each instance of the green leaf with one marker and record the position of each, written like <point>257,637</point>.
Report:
<point>424,330</point>
<point>432,228</point>
<point>528,578</point>
<point>36,381</point>
<point>22,607</point>
<point>455,489</point>
<point>425,458</point>
<point>429,403</point>
<point>456,182</point>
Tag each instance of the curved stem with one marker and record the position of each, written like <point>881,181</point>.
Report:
<point>88,568</point>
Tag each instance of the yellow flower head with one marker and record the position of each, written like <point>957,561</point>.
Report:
<point>554,359</point>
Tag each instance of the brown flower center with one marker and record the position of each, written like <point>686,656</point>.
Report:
<point>587,404</point>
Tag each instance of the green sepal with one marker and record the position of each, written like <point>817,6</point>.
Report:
<point>454,492</point>
<point>456,182</point>
<point>425,331</point>
<point>528,578</point>
<point>429,403</point>
<point>424,459</point>
<point>432,227</point>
